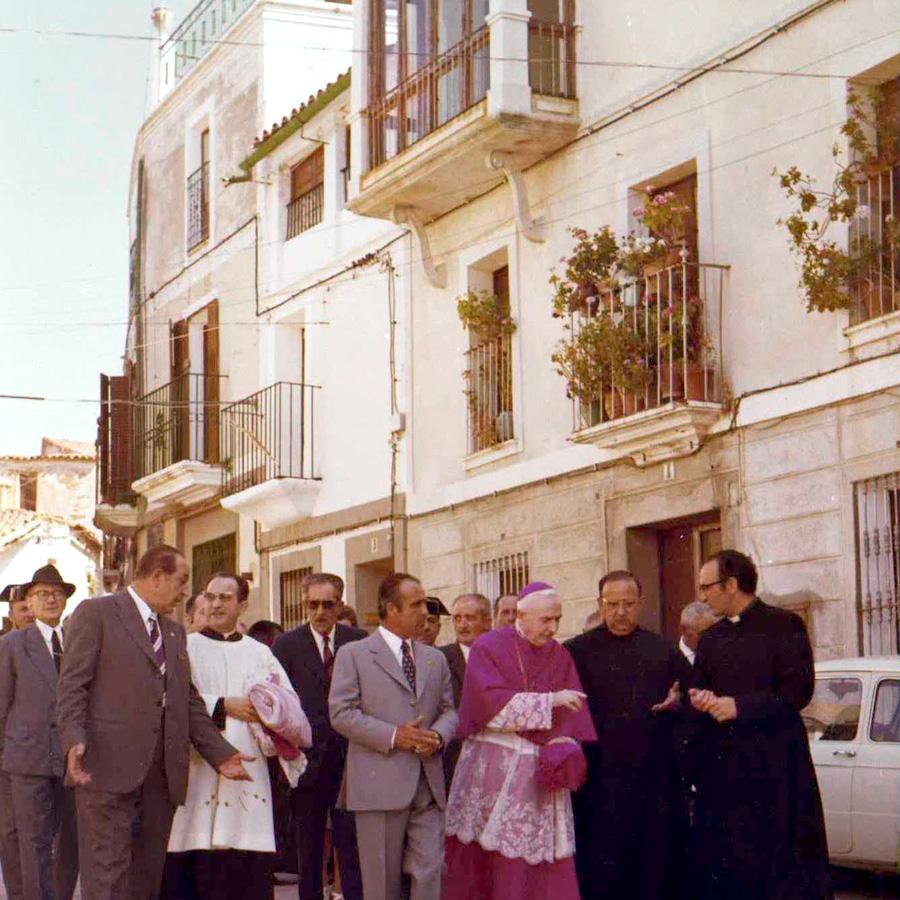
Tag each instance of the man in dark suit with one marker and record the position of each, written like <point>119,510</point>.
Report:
<point>20,616</point>
<point>471,619</point>
<point>128,713</point>
<point>307,654</point>
<point>43,808</point>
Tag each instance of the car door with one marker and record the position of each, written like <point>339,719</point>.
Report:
<point>832,725</point>
<point>876,780</point>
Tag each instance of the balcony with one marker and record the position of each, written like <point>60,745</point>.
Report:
<point>669,332</point>
<point>176,434</point>
<point>305,211</point>
<point>269,454</point>
<point>197,207</point>
<point>201,29</point>
<point>115,511</point>
<point>499,99</point>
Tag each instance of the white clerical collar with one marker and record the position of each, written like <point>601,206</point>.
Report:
<point>142,605</point>
<point>688,653</point>
<point>734,619</point>
<point>465,648</point>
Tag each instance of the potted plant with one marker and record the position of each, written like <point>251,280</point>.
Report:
<point>665,218</point>
<point>684,343</point>
<point>588,270</point>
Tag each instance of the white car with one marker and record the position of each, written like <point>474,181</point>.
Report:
<point>853,723</point>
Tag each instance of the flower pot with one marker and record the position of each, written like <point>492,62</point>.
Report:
<point>691,388</point>
<point>620,403</point>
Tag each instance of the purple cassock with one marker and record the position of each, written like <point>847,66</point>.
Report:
<point>510,832</point>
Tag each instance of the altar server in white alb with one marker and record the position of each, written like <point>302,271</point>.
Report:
<point>223,838</point>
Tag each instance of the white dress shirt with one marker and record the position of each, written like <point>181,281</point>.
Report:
<point>146,613</point>
<point>320,642</point>
<point>465,648</point>
<point>688,653</point>
<point>47,634</point>
<point>395,644</point>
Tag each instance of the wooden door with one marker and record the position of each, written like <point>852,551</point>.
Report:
<point>176,433</point>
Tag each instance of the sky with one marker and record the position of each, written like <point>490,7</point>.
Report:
<point>70,108</point>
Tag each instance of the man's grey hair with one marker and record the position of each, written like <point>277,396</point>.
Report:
<point>484,605</point>
<point>697,613</point>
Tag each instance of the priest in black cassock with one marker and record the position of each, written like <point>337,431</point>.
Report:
<point>759,814</point>
<point>630,814</point>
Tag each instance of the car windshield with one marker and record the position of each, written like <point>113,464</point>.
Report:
<point>833,712</point>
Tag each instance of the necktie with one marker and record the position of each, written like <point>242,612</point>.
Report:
<point>156,639</point>
<point>409,667</point>
<point>56,647</point>
<point>327,657</point>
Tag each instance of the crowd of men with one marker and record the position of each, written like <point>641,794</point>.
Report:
<point>155,759</point>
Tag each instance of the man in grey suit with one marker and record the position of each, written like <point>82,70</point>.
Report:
<point>391,697</point>
<point>128,713</point>
<point>43,808</point>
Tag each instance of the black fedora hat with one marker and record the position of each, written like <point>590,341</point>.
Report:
<point>435,607</point>
<point>48,575</point>
<point>11,593</point>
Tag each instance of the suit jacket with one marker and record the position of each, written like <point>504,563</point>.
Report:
<point>111,699</point>
<point>298,654</point>
<point>369,698</point>
<point>28,682</point>
<point>457,663</point>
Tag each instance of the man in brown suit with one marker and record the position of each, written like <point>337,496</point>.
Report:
<point>128,713</point>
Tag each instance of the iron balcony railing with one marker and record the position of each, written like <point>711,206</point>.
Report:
<point>305,211</point>
<point>198,33</point>
<point>489,392</point>
<point>666,328</point>
<point>449,85</point>
<point>177,421</point>
<point>551,58</point>
<point>198,207</point>
<point>874,287</point>
<point>270,435</point>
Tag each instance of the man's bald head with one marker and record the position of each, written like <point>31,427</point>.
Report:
<point>538,615</point>
<point>696,617</point>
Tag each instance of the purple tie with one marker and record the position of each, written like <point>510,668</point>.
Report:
<point>156,639</point>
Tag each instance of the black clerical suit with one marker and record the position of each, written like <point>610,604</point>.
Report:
<point>759,814</point>
<point>457,662</point>
<point>316,794</point>
<point>631,809</point>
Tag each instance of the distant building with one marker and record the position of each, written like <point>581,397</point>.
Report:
<point>46,507</point>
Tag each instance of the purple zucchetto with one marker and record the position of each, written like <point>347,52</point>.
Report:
<point>536,587</point>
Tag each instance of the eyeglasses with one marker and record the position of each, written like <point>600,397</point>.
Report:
<point>706,587</point>
<point>324,605</point>
<point>46,595</point>
<point>209,595</point>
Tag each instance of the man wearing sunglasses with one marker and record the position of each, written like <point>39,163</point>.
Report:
<point>307,654</point>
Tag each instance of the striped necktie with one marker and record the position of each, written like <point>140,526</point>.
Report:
<point>156,639</point>
<point>409,666</point>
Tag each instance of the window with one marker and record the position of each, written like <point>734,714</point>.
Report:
<point>877,290</point>
<point>218,555</point>
<point>198,197</point>
<point>833,712</point>
<point>551,48</point>
<point>345,170</point>
<point>307,201</point>
<point>886,720</point>
<point>489,387</point>
<point>504,575</point>
<point>28,488</point>
<point>292,597</point>
<point>877,511</point>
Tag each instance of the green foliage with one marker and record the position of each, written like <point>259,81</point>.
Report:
<point>485,314</point>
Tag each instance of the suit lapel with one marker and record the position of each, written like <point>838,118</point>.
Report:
<point>170,642</point>
<point>310,656</point>
<point>459,663</point>
<point>136,628</point>
<point>424,664</point>
<point>386,660</point>
<point>40,656</point>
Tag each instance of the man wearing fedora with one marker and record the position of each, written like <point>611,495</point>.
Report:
<point>43,807</point>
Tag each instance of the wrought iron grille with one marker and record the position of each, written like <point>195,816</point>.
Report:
<point>489,393</point>
<point>305,211</point>
<point>504,575</point>
<point>551,58</point>
<point>292,597</point>
<point>217,555</point>
<point>877,509</point>
<point>198,206</point>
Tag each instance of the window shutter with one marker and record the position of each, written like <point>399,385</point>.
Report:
<point>308,174</point>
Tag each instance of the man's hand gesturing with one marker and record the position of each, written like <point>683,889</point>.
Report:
<point>569,699</point>
<point>78,775</point>
<point>412,736</point>
<point>233,767</point>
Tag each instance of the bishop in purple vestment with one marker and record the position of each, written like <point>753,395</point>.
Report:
<point>522,717</point>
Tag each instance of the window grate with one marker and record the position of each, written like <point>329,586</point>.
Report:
<point>504,575</point>
<point>877,509</point>
<point>217,555</point>
<point>292,597</point>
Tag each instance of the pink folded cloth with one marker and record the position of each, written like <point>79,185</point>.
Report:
<point>283,727</point>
